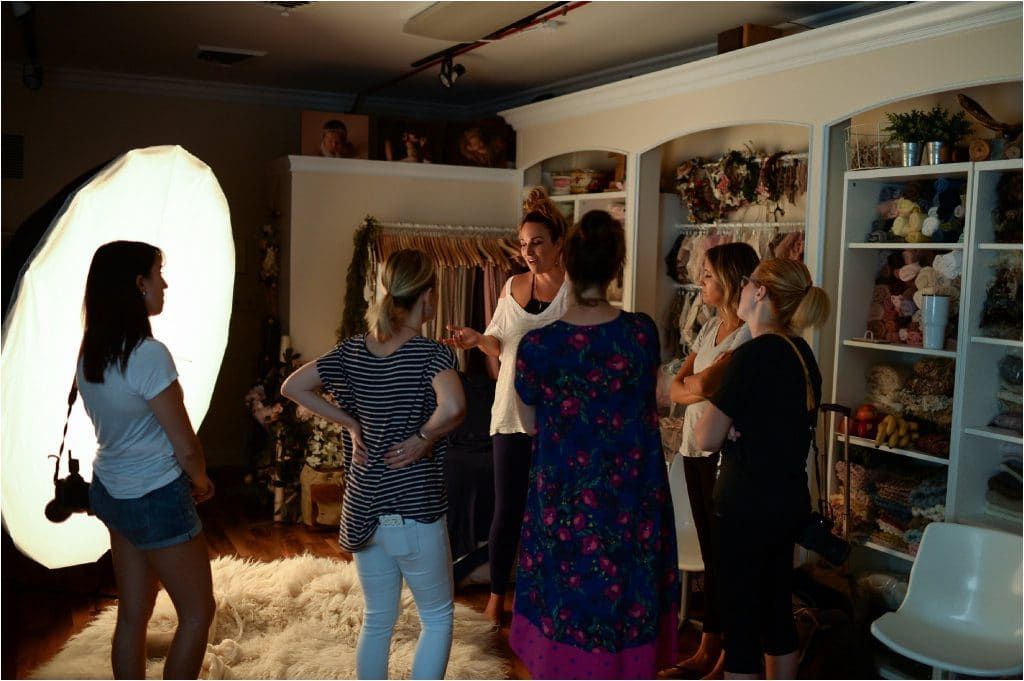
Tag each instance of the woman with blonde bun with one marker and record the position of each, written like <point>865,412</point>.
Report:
<point>528,301</point>
<point>398,395</point>
<point>761,417</point>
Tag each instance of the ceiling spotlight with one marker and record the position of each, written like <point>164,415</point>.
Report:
<point>450,72</point>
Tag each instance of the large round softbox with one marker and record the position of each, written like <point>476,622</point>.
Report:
<point>160,195</point>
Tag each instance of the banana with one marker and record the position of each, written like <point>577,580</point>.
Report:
<point>893,439</point>
<point>883,427</point>
<point>904,441</point>
<point>914,426</point>
<point>903,427</point>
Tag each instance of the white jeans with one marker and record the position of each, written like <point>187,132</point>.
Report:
<point>421,553</point>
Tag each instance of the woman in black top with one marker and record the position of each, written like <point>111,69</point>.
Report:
<point>762,413</point>
<point>398,395</point>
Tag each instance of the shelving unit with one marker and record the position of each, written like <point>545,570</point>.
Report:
<point>975,448</point>
<point>980,447</point>
<point>896,451</point>
<point>575,205</point>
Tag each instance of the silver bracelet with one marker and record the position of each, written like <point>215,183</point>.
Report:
<point>420,435</point>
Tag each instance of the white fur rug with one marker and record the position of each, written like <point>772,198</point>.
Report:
<point>295,618</point>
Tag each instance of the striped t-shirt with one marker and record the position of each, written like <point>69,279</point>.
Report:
<point>391,397</point>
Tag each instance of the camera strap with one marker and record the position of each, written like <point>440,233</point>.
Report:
<point>812,405</point>
<point>72,395</point>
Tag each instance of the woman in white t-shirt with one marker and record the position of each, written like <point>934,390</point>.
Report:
<point>528,301</point>
<point>721,283</point>
<point>149,469</point>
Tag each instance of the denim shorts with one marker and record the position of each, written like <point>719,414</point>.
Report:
<point>156,520</point>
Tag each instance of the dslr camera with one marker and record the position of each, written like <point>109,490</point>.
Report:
<point>70,495</point>
<point>817,536</point>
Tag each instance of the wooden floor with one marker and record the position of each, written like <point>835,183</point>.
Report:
<point>43,608</point>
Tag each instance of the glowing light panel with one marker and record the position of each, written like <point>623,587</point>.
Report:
<point>160,195</point>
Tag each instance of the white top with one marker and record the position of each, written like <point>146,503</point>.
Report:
<point>509,324</point>
<point>135,456</point>
<point>707,354</point>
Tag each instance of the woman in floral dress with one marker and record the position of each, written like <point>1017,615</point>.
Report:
<point>597,590</point>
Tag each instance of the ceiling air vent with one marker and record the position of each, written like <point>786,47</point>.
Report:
<point>226,56</point>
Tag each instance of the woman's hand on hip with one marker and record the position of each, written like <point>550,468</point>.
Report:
<point>359,455</point>
<point>408,452</point>
<point>462,337</point>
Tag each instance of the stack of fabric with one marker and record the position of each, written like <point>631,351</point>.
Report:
<point>1009,395</point>
<point>904,505</point>
<point>892,514</point>
<point>1003,499</point>
<point>861,515</point>
<point>927,504</point>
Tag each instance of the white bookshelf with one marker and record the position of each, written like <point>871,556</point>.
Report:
<point>975,448</point>
<point>574,206</point>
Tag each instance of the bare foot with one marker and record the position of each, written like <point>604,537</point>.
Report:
<point>495,608</point>
<point>719,670</point>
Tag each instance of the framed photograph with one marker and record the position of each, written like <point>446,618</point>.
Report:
<point>408,140</point>
<point>335,135</point>
<point>487,143</point>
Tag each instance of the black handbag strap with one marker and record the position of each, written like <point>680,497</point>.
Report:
<point>812,405</point>
<point>72,395</point>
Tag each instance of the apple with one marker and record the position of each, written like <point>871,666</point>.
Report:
<point>866,412</point>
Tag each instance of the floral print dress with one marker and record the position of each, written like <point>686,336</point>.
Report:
<point>597,587</point>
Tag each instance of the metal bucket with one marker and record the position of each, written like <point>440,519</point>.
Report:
<point>936,153</point>
<point>911,153</point>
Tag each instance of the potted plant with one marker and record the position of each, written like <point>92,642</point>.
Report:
<point>911,130</point>
<point>944,131</point>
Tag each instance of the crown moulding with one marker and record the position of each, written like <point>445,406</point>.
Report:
<point>902,25</point>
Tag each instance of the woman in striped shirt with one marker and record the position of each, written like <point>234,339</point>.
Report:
<point>398,394</point>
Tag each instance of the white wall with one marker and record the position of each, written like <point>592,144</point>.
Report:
<point>329,199</point>
<point>816,79</point>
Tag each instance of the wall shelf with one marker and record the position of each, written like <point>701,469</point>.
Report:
<point>1000,247</point>
<point>567,198</point>
<point>892,552</point>
<point>903,246</point>
<point>896,347</point>
<point>885,449</point>
<point>993,433</point>
<point>909,173</point>
<point>1005,342</point>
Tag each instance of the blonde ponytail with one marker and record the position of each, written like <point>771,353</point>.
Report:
<point>812,311</point>
<point>407,275</point>
<point>797,302</point>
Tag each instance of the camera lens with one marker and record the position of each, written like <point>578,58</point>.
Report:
<point>57,512</point>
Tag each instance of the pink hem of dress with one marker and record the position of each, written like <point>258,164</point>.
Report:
<point>547,659</point>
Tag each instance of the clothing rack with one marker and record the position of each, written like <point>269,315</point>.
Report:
<point>802,156</point>
<point>715,226</point>
<point>449,230</point>
<point>449,245</point>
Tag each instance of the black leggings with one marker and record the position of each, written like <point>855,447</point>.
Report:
<point>755,587</point>
<point>512,454</point>
<point>700,487</point>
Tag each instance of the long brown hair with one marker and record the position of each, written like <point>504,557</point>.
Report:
<point>408,273</point>
<point>798,302</point>
<point>116,318</point>
<point>729,263</point>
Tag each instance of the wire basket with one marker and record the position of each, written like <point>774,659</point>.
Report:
<point>868,147</point>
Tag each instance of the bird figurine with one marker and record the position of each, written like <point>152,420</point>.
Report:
<point>978,113</point>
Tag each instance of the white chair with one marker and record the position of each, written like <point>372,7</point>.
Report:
<point>962,613</point>
<point>690,560</point>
